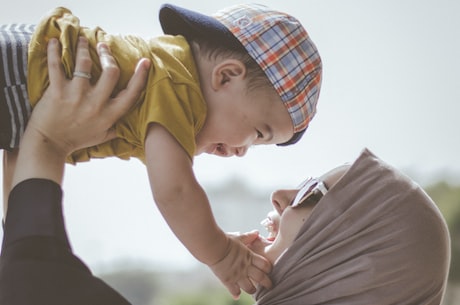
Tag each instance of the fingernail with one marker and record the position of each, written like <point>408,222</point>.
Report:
<point>144,63</point>
<point>102,47</point>
<point>82,39</point>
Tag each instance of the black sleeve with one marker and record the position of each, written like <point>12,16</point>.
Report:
<point>37,265</point>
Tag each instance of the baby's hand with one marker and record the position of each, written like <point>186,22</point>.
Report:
<point>259,244</point>
<point>241,268</point>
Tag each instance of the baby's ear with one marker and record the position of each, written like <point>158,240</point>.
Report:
<point>226,71</point>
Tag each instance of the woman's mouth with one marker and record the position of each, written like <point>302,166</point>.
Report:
<point>271,225</point>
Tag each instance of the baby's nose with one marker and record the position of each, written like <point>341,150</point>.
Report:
<point>241,151</point>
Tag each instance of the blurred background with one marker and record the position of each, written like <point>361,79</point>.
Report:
<point>390,83</point>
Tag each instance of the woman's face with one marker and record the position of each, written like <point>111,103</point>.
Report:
<point>283,224</point>
<point>285,221</point>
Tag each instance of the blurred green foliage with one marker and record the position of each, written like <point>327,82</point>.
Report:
<point>214,296</point>
<point>447,198</point>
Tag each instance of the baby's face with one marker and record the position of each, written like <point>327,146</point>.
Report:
<point>283,225</point>
<point>238,119</point>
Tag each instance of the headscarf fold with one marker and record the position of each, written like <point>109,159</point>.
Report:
<point>375,238</point>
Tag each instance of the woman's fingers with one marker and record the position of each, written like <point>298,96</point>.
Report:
<point>87,109</point>
<point>127,97</point>
<point>83,63</point>
<point>110,72</point>
<point>139,79</point>
<point>56,71</point>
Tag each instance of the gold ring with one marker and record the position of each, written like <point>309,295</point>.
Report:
<point>82,74</point>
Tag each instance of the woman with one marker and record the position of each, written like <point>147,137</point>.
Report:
<point>375,237</point>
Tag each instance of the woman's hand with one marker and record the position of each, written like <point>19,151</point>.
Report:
<point>73,114</point>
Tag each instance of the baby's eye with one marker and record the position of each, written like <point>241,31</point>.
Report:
<point>259,135</point>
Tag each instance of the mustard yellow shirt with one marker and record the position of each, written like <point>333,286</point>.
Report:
<point>172,96</point>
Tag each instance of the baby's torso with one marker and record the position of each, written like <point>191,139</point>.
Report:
<point>172,95</point>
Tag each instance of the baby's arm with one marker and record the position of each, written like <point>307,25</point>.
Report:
<point>185,207</point>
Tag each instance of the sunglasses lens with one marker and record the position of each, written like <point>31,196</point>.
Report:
<point>311,189</point>
<point>304,192</point>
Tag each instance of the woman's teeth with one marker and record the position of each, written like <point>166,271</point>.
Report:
<point>270,227</point>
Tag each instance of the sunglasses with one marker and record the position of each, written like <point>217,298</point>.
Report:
<point>311,190</point>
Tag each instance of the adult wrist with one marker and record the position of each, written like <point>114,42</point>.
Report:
<point>41,141</point>
<point>39,158</point>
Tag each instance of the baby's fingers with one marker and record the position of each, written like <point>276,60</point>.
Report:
<point>258,272</point>
<point>261,263</point>
<point>247,285</point>
<point>248,237</point>
<point>234,290</point>
<point>258,277</point>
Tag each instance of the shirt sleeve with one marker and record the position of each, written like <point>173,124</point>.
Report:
<point>37,265</point>
<point>35,209</point>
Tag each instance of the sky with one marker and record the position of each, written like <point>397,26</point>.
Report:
<point>391,83</point>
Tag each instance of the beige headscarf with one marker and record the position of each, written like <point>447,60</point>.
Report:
<point>375,238</point>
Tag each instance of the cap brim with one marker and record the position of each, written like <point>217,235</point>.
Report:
<point>295,138</point>
<point>175,20</point>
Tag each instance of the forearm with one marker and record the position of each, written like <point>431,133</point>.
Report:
<point>186,209</point>
<point>181,200</point>
<point>189,216</point>
<point>39,158</point>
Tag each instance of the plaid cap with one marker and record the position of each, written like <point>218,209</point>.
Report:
<point>275,40</point>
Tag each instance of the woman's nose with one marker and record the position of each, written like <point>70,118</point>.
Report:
<point>279,201</point>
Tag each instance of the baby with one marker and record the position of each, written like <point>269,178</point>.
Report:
<point>218,84</point>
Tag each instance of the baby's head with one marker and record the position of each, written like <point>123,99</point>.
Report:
<point>277,55</point>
